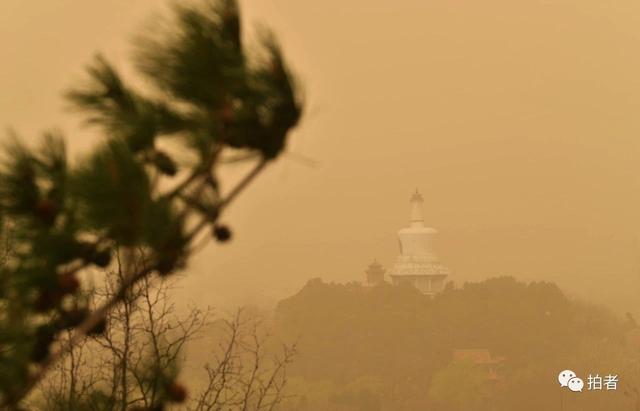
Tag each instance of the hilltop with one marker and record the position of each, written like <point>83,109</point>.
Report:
<point>391,347</point>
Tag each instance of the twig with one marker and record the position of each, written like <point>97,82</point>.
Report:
<point>81,331</point>
<point>128,281</point>
<point>230,197</point>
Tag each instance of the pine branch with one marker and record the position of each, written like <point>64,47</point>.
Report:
<point>209,97</point>
<point>128,282</point>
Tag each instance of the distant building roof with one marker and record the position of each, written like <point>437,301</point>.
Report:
<point>632,336</point>
<point>476,355</point>
<point>375,267</point>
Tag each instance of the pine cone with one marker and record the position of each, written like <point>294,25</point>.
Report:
<point>168,260</point>
<point>47,300</point>
<point>157,407</point>
<point>98,329</point>
<point>176,392</point>
<point>46,210</point>
<point>222,233</point>
<point>101,258</point>
<point>227,115</point>
<point>91,254</point>
<point>68,283</point>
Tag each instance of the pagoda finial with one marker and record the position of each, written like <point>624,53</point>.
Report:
<point>417,220</point>
<point>416,197</point>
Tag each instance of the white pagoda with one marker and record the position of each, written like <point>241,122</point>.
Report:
<point>417,263</point>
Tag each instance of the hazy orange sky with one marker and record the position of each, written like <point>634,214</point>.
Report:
<point>518,121</point>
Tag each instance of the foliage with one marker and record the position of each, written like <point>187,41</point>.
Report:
<point>403,342</point>
<point>210,99</point>
<point>132,363</point>
<point>460,386</point>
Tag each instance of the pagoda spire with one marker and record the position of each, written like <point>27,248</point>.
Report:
<point>417,219</point>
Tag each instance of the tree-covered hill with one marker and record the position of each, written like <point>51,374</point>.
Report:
<point>390,347</point>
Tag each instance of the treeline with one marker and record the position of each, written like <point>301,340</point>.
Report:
<point>391,348</point>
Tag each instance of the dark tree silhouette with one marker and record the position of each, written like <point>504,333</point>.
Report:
<point>208,102</point>
<point>145,334</point>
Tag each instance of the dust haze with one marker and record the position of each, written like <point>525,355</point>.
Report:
<point>517,121</point>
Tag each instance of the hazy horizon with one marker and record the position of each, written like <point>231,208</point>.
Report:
<point>517,122</point>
